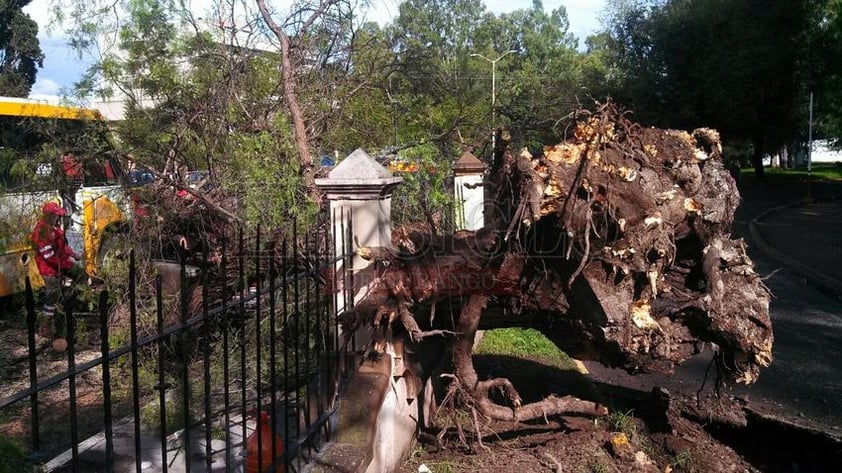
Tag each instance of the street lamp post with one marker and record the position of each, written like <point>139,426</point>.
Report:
<point>493,92</point>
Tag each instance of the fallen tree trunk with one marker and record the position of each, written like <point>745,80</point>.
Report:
<point>615,243</point>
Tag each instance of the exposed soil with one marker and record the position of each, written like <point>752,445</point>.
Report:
<point>54,402</point>
<point>644,432</point>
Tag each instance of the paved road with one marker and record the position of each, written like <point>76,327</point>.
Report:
<point>804,383</point>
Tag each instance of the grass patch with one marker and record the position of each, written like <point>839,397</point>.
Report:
<point>683,461</point>
<point>622,422</point>
<point>442,467</point>
<point>821,171</point>
<point>523,343</point>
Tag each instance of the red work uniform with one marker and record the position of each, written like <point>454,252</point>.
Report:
<point>53,256</point>
<point>55,262</point>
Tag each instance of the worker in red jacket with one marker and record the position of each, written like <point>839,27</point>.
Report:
<point>56,262</point>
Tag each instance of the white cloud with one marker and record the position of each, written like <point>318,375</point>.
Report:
<point>45,87</point>
<point>39,10</point>
<point>381,11</point>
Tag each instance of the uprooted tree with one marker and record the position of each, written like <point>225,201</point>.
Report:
<point>615,243</point>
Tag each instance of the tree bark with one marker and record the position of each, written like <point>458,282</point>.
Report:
<point>302,142</point>
<point>757,158</point>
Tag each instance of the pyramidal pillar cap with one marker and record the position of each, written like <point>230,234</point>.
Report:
<point>358,177</point>
<point>468,164</point>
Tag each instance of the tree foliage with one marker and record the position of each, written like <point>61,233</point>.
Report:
<point>222,83</point>
<point>424,192</point>
<point>20,50</point>
<point>545,77</point>
<point>738,66</point>
<point>206,97</point>
<point>823,66</point>
<point>452,56</point>
<point>357,85</point>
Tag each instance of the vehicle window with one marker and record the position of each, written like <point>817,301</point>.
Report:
<point>194,178</point>
<point>99,172</point>
<point>139,177</point>
<point>41,152</point>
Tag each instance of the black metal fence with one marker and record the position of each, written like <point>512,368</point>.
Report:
<point>167,376</point>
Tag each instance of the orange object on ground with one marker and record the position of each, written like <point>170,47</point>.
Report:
<point>264,428</point>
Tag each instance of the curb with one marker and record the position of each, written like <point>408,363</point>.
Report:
<point>799,429</point>
<point>823,282</point>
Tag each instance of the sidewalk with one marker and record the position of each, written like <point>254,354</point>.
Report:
<point>806,236</point>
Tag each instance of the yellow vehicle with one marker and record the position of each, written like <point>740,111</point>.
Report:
<point>61,153</point>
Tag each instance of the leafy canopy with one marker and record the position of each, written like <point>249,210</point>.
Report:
<point>20,50</point>
<point>738,66</point>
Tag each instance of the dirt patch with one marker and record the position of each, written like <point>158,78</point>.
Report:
<point>582,445</point>
<point>644,432</point>
<point>54,408</point>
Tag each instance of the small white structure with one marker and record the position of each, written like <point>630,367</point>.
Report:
<point>469,193</point>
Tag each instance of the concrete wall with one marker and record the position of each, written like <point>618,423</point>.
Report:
<point>394,431</point>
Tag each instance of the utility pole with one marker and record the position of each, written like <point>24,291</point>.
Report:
<point>394,104</point>
<point>494,93</point>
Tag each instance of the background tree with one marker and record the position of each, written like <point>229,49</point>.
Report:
<point>544,79</point>
<point>449,90</point>
<point>320,31</point>
<point>732,65</point>
<point>362,111</point>
<point>161,50</point>
<point>20,51</point>
<point>600,74</point>
<point>823,67</point>
<point>432,79</point>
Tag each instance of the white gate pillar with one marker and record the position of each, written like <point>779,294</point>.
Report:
<point>469,193</point>
<point>359,190</point>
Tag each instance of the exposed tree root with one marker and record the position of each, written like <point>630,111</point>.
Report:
<point>415,332</point>
<point>478,390</point>
<point>615,244</point>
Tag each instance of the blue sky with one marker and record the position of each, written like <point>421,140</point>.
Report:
<point>63,67</point>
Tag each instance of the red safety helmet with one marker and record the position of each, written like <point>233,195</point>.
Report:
<point>53,208</point>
